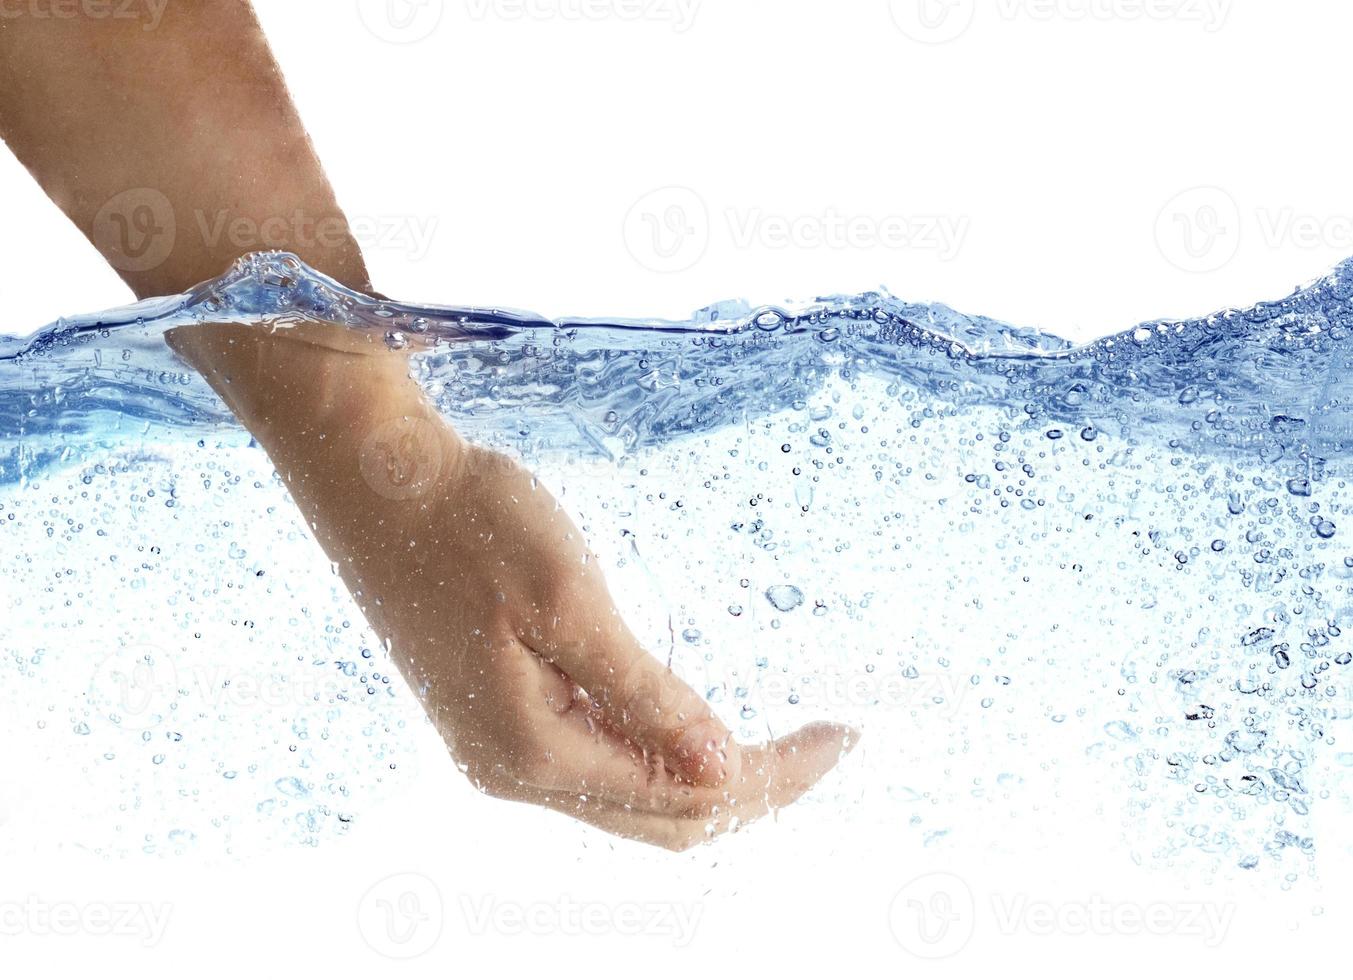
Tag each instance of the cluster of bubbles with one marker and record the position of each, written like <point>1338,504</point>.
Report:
<point>1032,571</point>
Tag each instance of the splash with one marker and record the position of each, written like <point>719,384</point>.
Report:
<point>1037,574</point>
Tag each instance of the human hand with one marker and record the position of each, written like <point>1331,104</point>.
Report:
<point>496,611</point>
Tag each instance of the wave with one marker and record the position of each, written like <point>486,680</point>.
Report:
<point>1125,556</point>
<point>1270,378</point>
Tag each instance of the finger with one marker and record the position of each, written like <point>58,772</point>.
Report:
<point>678,833</point>
<point>588,756</point>
<point>574,748</point>
<point>773,776</point>
<point>639,696</point>
<point>782,771</point>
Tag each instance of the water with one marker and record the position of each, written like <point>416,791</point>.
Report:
<point>1057,586</point>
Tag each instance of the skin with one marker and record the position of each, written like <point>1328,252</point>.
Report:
<point>496,612</point>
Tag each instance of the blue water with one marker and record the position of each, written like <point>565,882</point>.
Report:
<point>1031,571</point>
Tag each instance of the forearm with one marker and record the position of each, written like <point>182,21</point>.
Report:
<point>195,114</point>
<point>174,150</point>
<point>348,429</point>
<point>193,117</point>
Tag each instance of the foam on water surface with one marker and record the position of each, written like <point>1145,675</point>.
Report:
<point>1051,582</point>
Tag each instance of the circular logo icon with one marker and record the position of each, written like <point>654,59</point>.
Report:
<point>402,916</point>
<point>401,21</point>
<point>1163,697</point>
<point>136,230</point>
<point>933,21</point>
<point>402,458</point>
<point>135,687</point>
<point>654,696</point>
<point>649,700</point>
<point>667,230</point>
<point>1199,230</point>
<point>933,917</point>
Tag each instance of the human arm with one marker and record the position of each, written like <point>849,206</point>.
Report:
<point>496,612</point>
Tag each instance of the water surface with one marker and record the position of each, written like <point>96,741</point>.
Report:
<point>1053,583</point>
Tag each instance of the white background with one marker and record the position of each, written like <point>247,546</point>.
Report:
<point>1054,134</point>
<point>1067,141</point>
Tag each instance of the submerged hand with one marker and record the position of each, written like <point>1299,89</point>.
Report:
<point>497,613</point>
<point>542,692</point>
